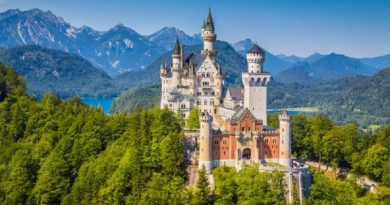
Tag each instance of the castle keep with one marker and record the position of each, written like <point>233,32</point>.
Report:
<point>233,126</point>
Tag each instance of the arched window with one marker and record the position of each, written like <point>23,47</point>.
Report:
<point>242,129</point>
<point>208,74</point>
<point>274,141</point>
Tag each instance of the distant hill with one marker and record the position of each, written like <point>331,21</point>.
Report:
<point>291,59</point>
<point>48,70</point>
<point>314,57</point>
<point>361,99</point>
<point>144,97</point>
<point>300,72</point>
<point>328,67</point>
<point>166,38</point>
<point>272,63</point>
<point>377,62</point>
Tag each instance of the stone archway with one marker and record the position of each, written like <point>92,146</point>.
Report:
<point>246,154</point>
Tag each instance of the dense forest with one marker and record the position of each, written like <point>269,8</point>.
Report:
<point>63,152</point>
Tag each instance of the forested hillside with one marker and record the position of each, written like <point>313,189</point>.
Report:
<point>48,70</point>
<point>57,151</point>
<point>63,152</point>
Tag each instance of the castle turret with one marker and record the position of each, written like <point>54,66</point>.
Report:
<point>208,35</point>
<point>285,139</point>
<point>163,69</point>
<point>218,83</point>
<point>255,84</point>
<point>176,64</point>
<point>255,59</point>
<point>205,142</point>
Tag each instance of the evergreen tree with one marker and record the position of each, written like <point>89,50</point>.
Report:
<point>202,193</point>
<point>193,121</point>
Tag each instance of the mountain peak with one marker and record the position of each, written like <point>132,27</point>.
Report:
<point>166,37</point>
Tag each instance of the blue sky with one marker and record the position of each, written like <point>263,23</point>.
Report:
<point>359,28</point>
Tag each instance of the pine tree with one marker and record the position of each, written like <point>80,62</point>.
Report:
<point>202,193</point>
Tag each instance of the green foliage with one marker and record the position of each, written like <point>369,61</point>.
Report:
<point>146,97</point>
<point>193,121</point>
<point>55,152</point>
<point>374,160</point>
<point>326,191</point>
<point>63,152</point>
<point>249,186</point>
<point>202,193</point>
<point>330,191</point>
<point>273,120</point>
<point>225,185</point>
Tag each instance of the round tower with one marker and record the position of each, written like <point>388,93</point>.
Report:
<point>176,64</point>
<point>205,142</point>
<point>255,84</point>
<point>255,59</point>
<point>285,139</point>
<point>208,35</point>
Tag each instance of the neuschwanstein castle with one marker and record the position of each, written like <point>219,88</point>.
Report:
<point>233,124</point>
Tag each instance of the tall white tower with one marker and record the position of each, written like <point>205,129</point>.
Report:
<point>208,35</point>
<point>285,139</point>
<point>255,84</point>
<point>176,65</point>
<point>205,142</point>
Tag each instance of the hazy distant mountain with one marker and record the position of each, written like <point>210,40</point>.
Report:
<point>335,66</point>
<point>242,47</point>
<point>377,62</point>
<point>166,38</point>
<point>314,57</point>
<point>272,63</point>
<point>301,72</point>
<point>329,67</point>
<point>117,50</point>
<point>291,59</point>
<point>48,70</point>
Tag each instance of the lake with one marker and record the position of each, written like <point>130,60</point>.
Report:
<point>98,102</point>
<point>107,102</point>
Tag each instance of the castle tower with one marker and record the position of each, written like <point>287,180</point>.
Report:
<point>164,85</point>
<point>205,142</point>
<point>255,84</point>
<point>208,35</point>
<point>285,139</point>
<point>176,64</point>
<point>219,83</point>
